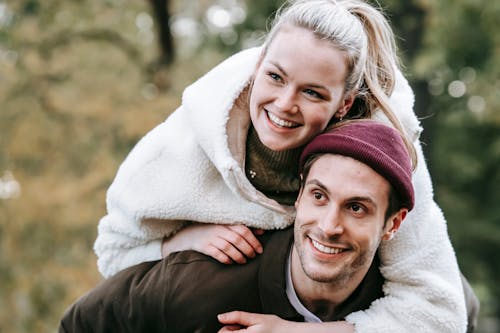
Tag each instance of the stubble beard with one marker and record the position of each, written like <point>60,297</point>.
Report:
<point>342,273</point>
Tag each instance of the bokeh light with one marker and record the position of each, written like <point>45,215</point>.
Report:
<point>457,89</point>
<point>476,104</point>
<point>9,186</point>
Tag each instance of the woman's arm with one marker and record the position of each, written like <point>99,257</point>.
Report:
<point>240,321</point>
<point>225,243</point>
<point>123,242</point>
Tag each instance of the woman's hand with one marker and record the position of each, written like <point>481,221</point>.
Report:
<point>225,243</point>
<point>247,322</point>
<point>240,321</point>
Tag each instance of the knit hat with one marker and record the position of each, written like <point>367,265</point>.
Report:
<point>374,144</point>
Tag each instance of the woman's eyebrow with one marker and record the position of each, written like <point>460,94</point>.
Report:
<point>277,65</point>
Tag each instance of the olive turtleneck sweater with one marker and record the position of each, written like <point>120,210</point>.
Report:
<point>274,173</point>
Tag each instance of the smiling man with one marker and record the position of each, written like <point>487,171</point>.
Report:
<point>356,190</point>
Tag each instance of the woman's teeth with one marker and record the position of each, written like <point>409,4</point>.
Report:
<point>280,122</point>
<point>325,249</point>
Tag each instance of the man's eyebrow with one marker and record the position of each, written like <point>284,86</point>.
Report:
<point>363,199</point>
<point>317,183</point>
<point>367,199</point>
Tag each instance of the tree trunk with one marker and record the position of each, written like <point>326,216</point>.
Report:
<point>408,20</point>
<point>165,40</point>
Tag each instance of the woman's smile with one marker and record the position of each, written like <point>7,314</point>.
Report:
<point>275,120</point>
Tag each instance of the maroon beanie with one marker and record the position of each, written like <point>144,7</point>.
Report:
<point>374,144</point>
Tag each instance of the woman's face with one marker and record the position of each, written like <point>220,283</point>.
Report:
<point>298,87</point>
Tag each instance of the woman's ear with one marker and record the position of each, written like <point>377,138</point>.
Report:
<point>393,223</point>
<point>300,191</point>
<point>346,105</point>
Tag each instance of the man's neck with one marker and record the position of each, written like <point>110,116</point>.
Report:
<point>322,298</point>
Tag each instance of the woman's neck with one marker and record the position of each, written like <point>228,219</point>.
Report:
<point>275,173</point>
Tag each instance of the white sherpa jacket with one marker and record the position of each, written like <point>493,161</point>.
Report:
<point>191,168</point>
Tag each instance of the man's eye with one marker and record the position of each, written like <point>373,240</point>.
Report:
<point>356,208</point>
<point>318,195</point>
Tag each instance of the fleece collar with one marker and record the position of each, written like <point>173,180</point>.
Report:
<point>209,100</point>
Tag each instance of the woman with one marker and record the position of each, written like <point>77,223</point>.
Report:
<point>227,158</point>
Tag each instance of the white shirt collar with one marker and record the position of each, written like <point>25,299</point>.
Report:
<point>293,298</point>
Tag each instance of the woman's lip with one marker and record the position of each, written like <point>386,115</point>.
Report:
<point>279,122</point>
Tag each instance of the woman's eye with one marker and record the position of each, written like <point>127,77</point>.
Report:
<point>313,93</point>
<point>274,76</point>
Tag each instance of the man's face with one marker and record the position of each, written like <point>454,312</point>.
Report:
<point>340,219</point>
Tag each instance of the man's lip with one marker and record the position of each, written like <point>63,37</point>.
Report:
<point>330,249</point>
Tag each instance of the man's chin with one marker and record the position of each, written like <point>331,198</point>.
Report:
<point>323,273</point>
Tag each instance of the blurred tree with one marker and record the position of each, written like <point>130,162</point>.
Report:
<point>77,92</point>
<point>74,99</point>
<point>161,14</point>
<point>453,65</point>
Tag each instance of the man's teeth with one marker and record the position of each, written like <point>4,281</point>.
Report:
<point>279,121</point>
<point>325,249</point>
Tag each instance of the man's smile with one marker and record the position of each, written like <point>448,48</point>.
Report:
<point>326,249</point>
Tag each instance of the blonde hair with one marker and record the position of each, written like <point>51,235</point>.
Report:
<point>364,34</point>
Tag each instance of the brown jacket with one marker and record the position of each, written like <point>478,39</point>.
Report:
<point>185,292</point>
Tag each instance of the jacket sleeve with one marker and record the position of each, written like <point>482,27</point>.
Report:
<point>134,226</point>
<point>423,287</point>
<point>121,243</point>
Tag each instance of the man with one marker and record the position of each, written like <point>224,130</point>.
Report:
<point>356,190</point>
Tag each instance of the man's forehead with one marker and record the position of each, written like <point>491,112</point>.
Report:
<point>352,176</point>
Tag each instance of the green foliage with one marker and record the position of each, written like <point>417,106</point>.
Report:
<point>77,92</point>
<point>455,70</point>
<point>75,97</point>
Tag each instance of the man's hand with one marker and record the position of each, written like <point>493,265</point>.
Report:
<point>225,243</point>
<point>246,322</point>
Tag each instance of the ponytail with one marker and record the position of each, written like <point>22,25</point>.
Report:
<point>380,66</point>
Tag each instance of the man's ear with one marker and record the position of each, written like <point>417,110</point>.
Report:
<point>393,223</point>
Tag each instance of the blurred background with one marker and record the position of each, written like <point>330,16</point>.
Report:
<point>82,81</point>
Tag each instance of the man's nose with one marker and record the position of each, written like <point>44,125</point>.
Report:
<point>331,222</point>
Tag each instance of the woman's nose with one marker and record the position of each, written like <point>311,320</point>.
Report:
<point>286,100</point>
